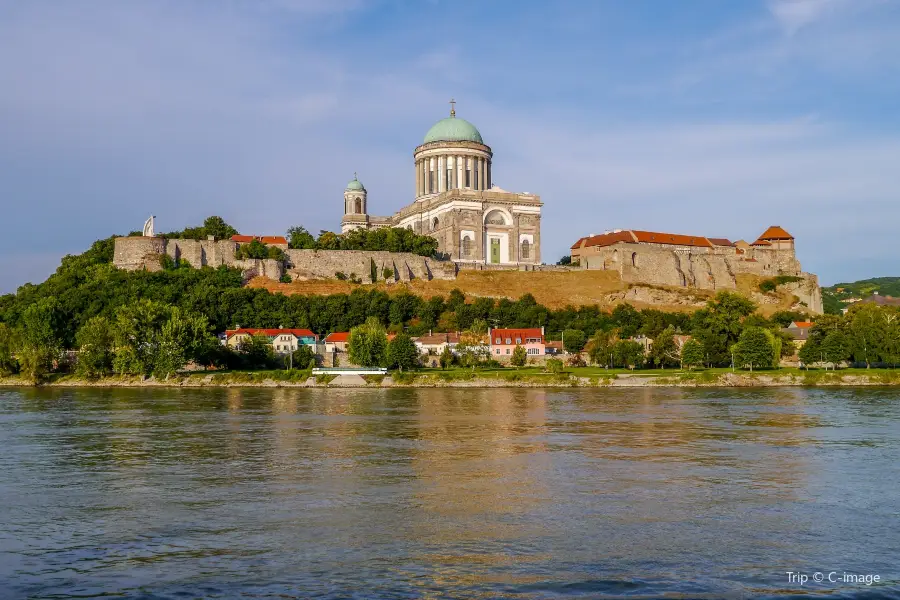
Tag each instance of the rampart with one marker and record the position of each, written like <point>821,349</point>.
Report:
<point>362,264</point>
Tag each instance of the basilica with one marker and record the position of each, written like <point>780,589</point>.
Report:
<point>456,202</point>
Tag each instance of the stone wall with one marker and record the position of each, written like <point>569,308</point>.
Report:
<point>324,264</point>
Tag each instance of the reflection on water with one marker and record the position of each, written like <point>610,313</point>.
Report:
<point>445,493</point>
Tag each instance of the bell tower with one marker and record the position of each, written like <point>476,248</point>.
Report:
<point>356,213</point>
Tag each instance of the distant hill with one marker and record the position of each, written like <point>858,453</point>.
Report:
<point>832,296</point>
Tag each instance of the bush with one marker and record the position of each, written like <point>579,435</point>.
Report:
<point>577,360</point>
<point>341,275</point>
<point>387,273</point>
<point>285,278</point>
<point>553,365</point>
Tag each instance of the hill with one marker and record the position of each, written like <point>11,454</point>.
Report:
<point>836,297</point>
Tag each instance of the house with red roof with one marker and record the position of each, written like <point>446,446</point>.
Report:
<point>504,341</point>
<point>337,341</point>
<point>283,341</point>
<point>268,240</point>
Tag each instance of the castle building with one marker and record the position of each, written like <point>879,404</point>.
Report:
<point>457,203</point>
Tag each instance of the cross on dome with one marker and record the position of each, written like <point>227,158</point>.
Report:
<point>452,107</point>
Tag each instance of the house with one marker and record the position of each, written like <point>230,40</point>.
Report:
<point>504,341</point>
<point>554,348</point>
<point>337,341</point>
<point>283,341</point>
<point>268,240</point>
<point>434,344</point>
<point>799,332</point>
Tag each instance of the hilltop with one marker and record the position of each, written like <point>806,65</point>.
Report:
<point>833,296</point>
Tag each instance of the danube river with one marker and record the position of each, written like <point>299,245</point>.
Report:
<point>429,493</point>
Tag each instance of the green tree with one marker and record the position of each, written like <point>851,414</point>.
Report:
<point>574,340</point>
<point>302,356</point>
<point>836,348</point>
<point>867,328</point>
<point>182,339</point>
<point>754,348</point>
<point>447,358</point>
<point>300,239</point>
<point>627,319</point>
<point>95,348</point>
<point>479,327</point>
<point>367,343</point>
<point>402,353</point>
<point>810,353</point>
<point>718,326</point>
<point>691,354</point>
<point>600,348</point>
<point>519,357</point>
<point>218,228</point>
<point>627,353</point>
<point>256,352</point>
<point>664,351</point>
<point>136,336</point>
<point>40,343</point>
<point>8,363</point>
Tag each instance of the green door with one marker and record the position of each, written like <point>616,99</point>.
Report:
<point>495,251</point>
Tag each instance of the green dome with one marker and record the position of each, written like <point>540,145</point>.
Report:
<point>452,129</point>
<point>355,185</point>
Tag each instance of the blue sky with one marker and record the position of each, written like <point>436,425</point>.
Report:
<point>704,117</point>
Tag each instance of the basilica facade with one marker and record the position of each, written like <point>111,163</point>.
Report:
<point>456,202</point>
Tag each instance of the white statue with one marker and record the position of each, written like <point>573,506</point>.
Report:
<point>148,227</point>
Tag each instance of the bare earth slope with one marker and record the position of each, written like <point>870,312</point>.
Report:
<point>552,289</point>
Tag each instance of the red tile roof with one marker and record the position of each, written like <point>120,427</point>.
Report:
<point>761,242</point>
<point>802,324</point>
<point>653,237</point>
<point>649,237</point>
<point>775,233</point>
<point>265,239</point>
<point>438,338</point>
<point>338,337</point>
<point>270,332</point>
<point>522,334</point>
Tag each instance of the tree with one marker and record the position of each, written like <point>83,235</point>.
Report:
<point>182,339</point>
<point>367,343</point>
<point>8,363</point>
<point>40,343</point>
<point>447,358</point>
<point>600,348</point>
<point>565,260</point>
<point>302,356</point>
<point>836,348</point>
<point>574,340</point>
<point>300,239</point>
<point>95,348</point>
<point>718,326</point>
<point>754,348</point>
<point>810,353</point>
<point>136,336</point>
<point>664,351</point>
<point>691,354</point>
<point>627,319</point>
<point>256,352</point>
<point>218,228</point>
<point>479,327</point>
<point>868,325</point>
<point>627,353</point>
<point>519,357</point>
<point>402,353</point>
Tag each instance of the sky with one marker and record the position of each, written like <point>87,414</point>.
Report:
<point>699,117</point>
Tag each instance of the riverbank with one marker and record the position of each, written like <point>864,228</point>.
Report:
<point>497,378</point>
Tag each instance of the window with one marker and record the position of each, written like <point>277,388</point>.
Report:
<point>497,341</point>
<point>434,224</point>
<point>498,350</point>
<point>508,341</point>
<point>468,178</point>
<point>359,206</point>
<point>466,246</point>
<point>518,340</point>
<point>507,350</point>
<point>526,249</point>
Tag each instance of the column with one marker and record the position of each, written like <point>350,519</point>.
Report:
<point>487,167</point>
<point>424,168</point>
<point>418,179</point>
<point>481,175</point>
<point>460,172</point>
<point>441,176</point>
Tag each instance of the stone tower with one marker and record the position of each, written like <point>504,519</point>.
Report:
<point>356,213</point>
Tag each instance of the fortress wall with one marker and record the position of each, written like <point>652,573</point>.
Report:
<point>133,253</point>
<point>322,264</point>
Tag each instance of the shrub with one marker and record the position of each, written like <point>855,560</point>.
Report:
<point>341,275</point>
<point>387,273</point>
<point>553,365</point>
<point>285,278</point>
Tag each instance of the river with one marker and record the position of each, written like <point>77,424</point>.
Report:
<point>453,493</point>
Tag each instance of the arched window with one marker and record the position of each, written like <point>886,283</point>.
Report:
<point>359,206</point>
<point>434,224</point>
<point>495,217</point>
<point>526,249</point>
<point>615,257</point>
<point>634,259</point>
<point>466,246</point>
